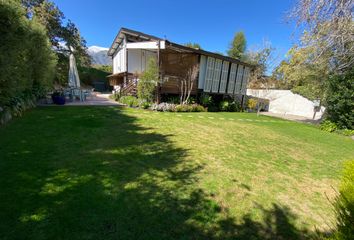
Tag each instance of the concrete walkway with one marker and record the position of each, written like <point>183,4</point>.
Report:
<point>97,99</point>
<point>291,117</point>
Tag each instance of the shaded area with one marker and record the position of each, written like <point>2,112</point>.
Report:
<point>96,173</point>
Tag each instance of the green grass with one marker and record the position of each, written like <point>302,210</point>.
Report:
<point>112,173</point>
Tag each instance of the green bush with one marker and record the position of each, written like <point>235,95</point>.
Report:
<point>234,107</point>
<point>228,106</point>
<point>190,108</point>
<point>340,100</point>
<point>224,106</point>
<point>328,126</point>
<point>206,100</point>
<point>144,104</point>
<point>27,62</point>
<point>344,204</point>
<point>346,132</point>
<point>115,96</point>
<point>199,108</point>
<point>130,101</point>
<point>147,81</point>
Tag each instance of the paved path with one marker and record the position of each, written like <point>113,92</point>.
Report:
<point>291,117</point>
<point>97,99</point>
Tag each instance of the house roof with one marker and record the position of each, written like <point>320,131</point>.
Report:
<point>143,36</point>
<point>120,36</point>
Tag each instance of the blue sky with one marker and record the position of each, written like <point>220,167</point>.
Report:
<point>212,24</point>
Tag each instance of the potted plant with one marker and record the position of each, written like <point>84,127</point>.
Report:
<point>58,98</point>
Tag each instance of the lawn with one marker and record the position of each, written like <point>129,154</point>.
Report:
<point>113,173</point>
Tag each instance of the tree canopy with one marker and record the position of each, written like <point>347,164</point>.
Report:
<point>27,62</point>
<point>63,34</point>
<point>193,45</point>
<point>237,46</point>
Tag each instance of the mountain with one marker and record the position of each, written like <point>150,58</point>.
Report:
<point>99,55</point>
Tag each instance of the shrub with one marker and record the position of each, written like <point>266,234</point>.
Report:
<point>206,100</point>
<point>130,101</point>
<point>252,104</point>
<point>164,107</point>
<point>148,80</point>
<point>229,106</point>
<point>115,96</point>
<point>339,99</point>
<point>234,107</point>
<point>173,99</point>
<point>190,108</point>
<point>144,104</point>
<point>182,108</point>
<point>198,108</point>
<point>346,132</point>
<point>344,204</point>
<point>224,106</point>
<point>27,62</point>
<point>328,126</point>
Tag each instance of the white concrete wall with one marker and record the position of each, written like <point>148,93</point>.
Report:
<point>286,102</point>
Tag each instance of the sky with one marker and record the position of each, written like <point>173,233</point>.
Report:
<point>212,24</point>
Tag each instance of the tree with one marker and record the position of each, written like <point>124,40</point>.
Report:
<point>329,28</point>
<point>193,45</point>
<point>63,37</point>
<point>237,46</point>
<point>27,62</point>
<point>261,59</point>
<point>187,82</point>
<point>148,81</point>
<point>302,75</point>
<point>324,55</point>
<point>340,99</point>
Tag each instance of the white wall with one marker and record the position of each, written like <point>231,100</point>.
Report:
<point>119,60</point>
<point>286,102</point>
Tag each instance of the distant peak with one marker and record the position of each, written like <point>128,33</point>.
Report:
<point>97,49</point>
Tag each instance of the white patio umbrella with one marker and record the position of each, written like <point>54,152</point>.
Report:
<point>74,80</point>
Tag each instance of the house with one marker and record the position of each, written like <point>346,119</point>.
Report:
<point>217,74</point>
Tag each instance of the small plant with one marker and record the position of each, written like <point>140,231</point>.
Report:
<point>224,106</point>
<point>234,107</point>
<point>346,132</point>
<point>328,126</point>
<point>144,104</point>
<point>206,100</point>
<point>130,101</point>
<point>164,107</point>
<point>190,108</point>
<point>115,96</point>
<point>252,104</point>
<point>198,108</point>
<point>173,99</point>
